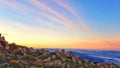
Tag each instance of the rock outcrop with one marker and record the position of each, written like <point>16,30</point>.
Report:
<point>16,56</point>
<point>3,43</point>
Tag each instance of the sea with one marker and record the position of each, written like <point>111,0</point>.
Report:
<point>103,56</point>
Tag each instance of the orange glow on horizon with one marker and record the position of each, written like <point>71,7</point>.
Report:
<point>68,43</point>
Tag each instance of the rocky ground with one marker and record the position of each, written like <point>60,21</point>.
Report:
<point>16,56</point>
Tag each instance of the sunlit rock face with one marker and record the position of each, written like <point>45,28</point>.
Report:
<point>3,43</point>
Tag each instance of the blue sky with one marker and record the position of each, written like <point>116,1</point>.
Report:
<point>103,15</point>
<point>69,20</point>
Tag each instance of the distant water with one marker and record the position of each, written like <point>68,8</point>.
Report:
<point>104,56</point>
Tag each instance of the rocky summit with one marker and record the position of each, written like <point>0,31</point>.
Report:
<point>16,56</point>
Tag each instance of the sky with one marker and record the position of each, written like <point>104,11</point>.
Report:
<point>81,24</point>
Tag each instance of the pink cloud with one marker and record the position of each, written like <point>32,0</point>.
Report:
<point>74,13</point>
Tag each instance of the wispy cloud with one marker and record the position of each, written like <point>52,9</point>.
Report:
<point>46,8</point>
<point>26,12</point>
<point>82,24</point>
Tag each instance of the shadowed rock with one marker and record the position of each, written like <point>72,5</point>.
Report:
<point>3,43</point>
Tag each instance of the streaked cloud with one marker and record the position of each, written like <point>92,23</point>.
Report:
<point>69,8</point>
<point>25,11</point>
<point>44,7</point>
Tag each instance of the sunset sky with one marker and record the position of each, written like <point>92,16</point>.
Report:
<point>83,24</point>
